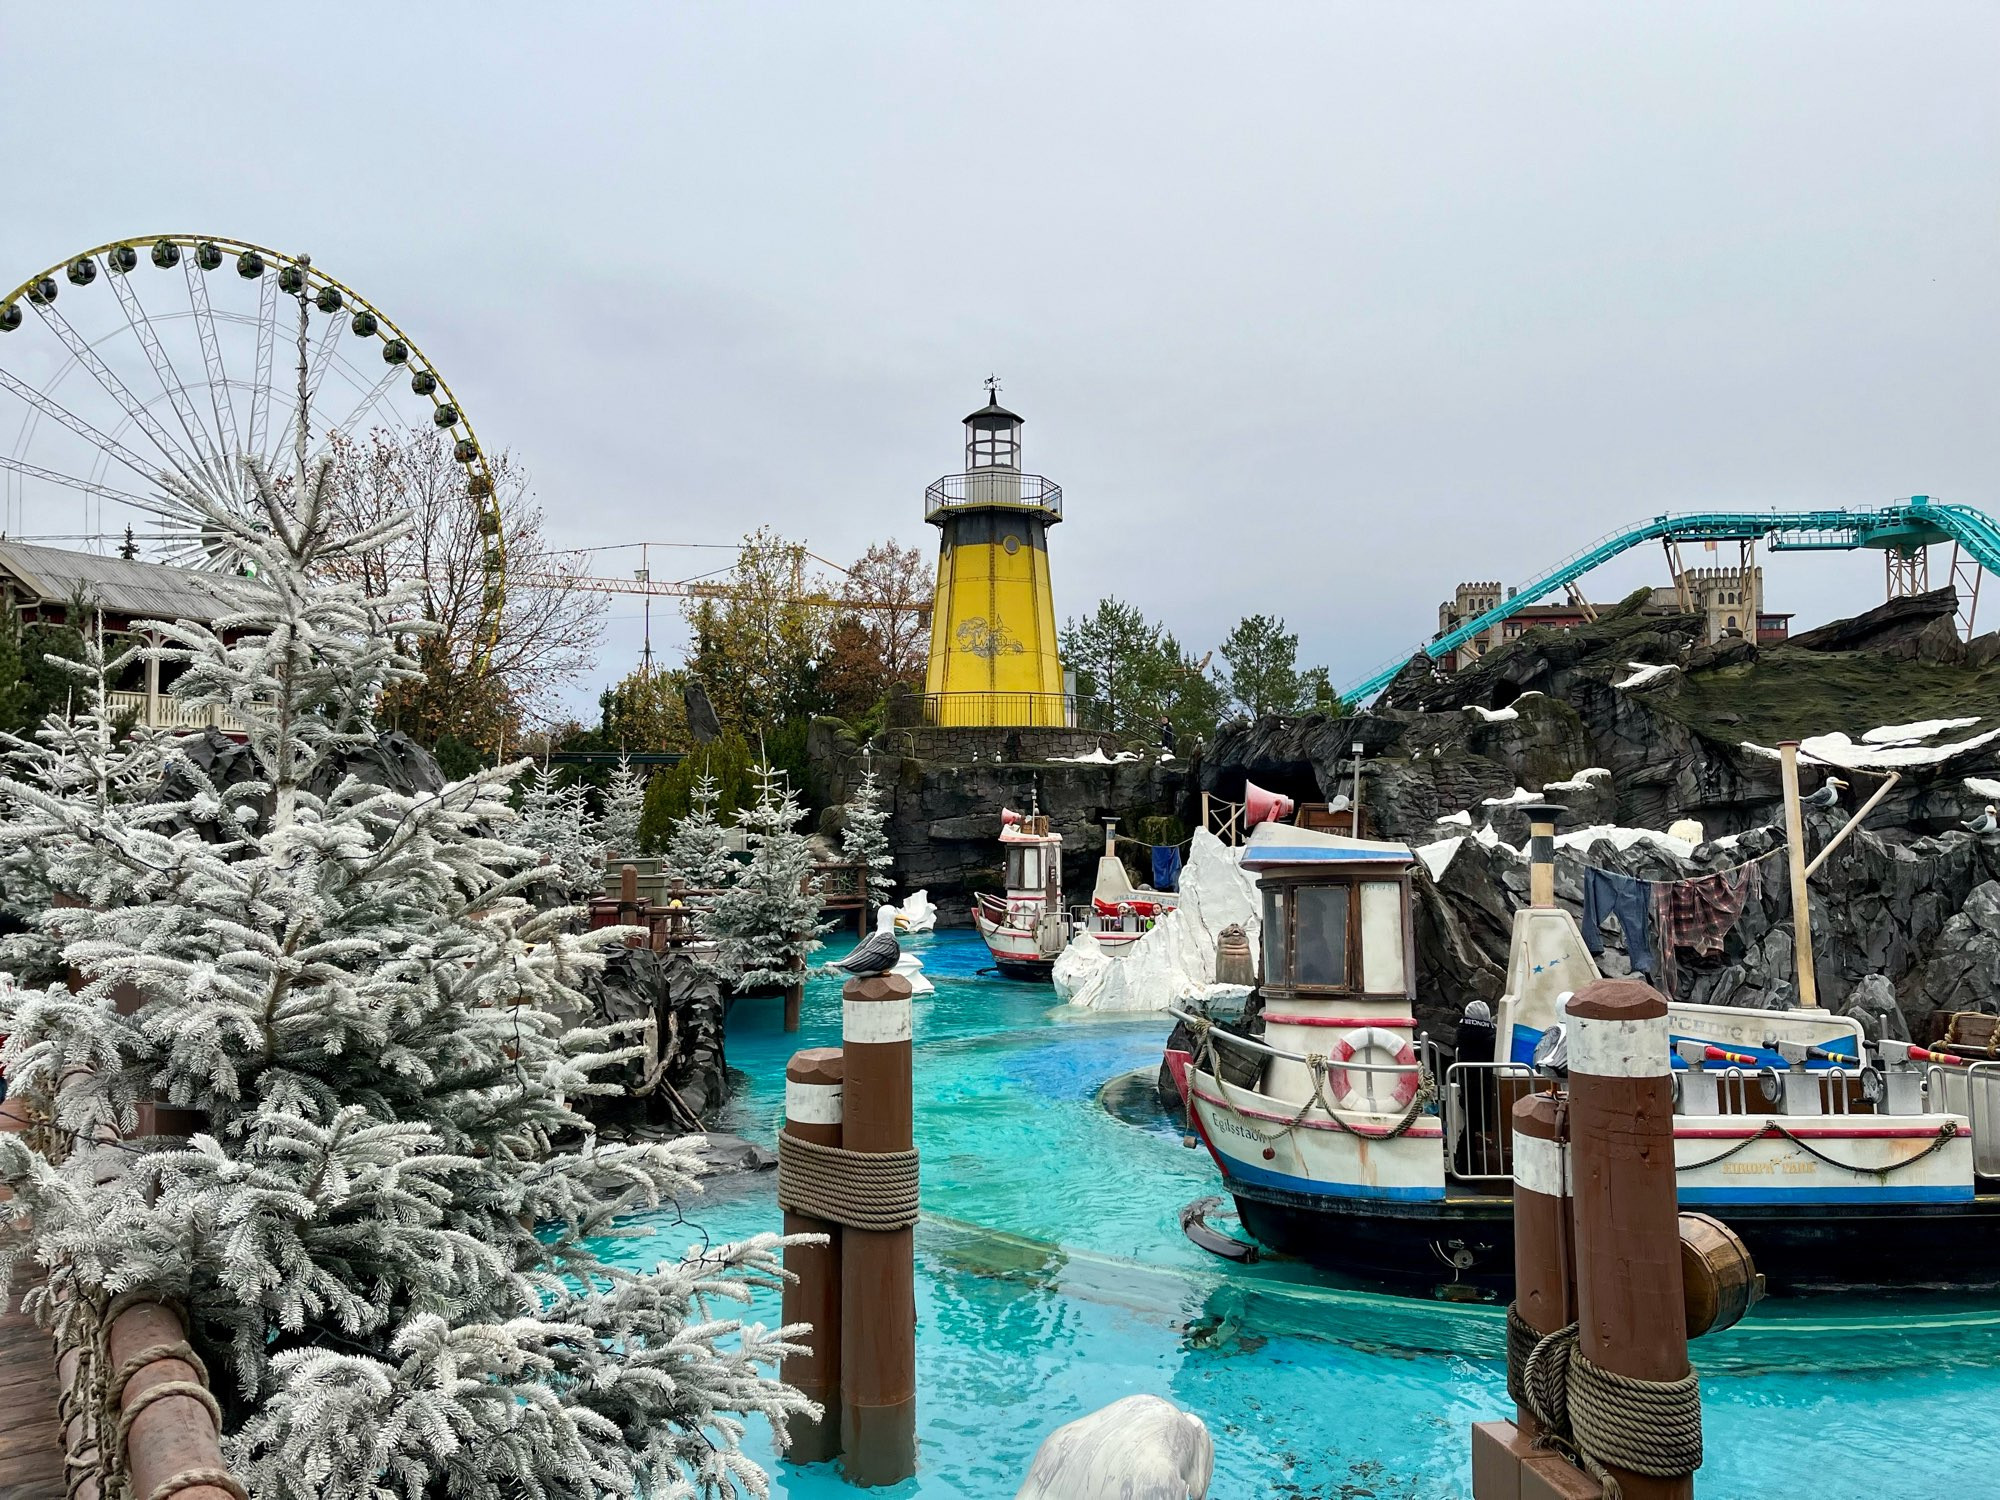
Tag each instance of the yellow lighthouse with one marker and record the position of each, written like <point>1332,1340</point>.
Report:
<point>993,624</point>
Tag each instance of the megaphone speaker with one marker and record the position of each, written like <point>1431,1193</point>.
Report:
<point>1009,818</point>
<point>1260,806</point>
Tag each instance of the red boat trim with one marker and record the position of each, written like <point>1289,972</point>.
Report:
<point>1417,1132</point>
<point>1816,1133</point>
<point>1286,1019</point>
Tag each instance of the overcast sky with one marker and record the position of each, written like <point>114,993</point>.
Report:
<point>1311,309</point>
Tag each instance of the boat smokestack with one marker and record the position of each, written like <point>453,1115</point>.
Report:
<point>1542,818</point>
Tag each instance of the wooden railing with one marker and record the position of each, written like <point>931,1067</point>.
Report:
<point>164,711</point>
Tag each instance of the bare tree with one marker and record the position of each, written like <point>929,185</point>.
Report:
<point>897,579</point>
<point>547,632</point>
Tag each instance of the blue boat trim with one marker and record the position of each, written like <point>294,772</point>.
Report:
<point>1802,1198</point>
<point>1264,1177</point>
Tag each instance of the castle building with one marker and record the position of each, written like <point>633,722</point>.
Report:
<point>993,657</point>
<point>1730,599</point>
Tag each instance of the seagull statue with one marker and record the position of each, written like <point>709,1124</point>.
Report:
<point>1986,822</point>
<point>1827,796</point>
<point>875,954</point>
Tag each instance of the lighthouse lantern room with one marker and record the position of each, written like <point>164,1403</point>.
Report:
<point>993,658</point>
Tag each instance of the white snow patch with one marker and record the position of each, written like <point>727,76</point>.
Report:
<point>1580,782</point>
<point>1491,839</point>
<point>1982,787</point>
<point>1493,715</point>
<point>1623,838</point>
<point>1519,797</point>
<point>1839,750</point>
<point>1923,729</point>
<point>1461,818</point>
<point>916,914</point>
<point>1643,674</point>
<point>1437,856</point>
<point>1175,961</point>
<point>1097,757</point>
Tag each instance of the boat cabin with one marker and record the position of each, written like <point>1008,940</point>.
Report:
<point>1339,960</point>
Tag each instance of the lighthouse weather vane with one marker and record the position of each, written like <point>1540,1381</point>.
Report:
<point>993,389</point>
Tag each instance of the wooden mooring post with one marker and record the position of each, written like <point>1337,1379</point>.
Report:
<point>1598,1333</point>
<point>813,1089</point>
<point>878,1306</point>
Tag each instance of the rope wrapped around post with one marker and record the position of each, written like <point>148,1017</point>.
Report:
<point>1644,1426</point>
<point>874,1190</point>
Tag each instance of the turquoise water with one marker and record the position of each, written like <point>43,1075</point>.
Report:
<point>1053,1278</point>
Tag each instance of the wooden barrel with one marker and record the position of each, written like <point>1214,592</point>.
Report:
<point>1719,1281</point>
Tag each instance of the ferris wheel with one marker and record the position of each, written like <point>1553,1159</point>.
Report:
<point>187,354</point>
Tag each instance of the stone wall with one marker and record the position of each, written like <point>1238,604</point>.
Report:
<point>944,814</point>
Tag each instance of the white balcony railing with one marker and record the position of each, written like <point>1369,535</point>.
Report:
<point>169,712</point>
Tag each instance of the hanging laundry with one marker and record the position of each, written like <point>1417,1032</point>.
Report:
<point>1631,901</point>
<point>1166,867</point>
<point>1699,913</point>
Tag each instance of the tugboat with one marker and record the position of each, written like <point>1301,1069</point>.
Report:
<point>1027,928</point>
<point>1844,1164</point>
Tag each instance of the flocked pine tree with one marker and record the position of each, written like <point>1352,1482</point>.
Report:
<point>555,822</point>
<point>617,831</point>
<point>698,848</point>
<point>766,924</point>
<point>864,840</point>
<point>382,1257</point>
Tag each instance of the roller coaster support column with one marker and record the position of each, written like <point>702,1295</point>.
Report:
<point>1632,1401</point>
<point>1795,842</point>
<point>812,1113</point>
<point>878,1310</point>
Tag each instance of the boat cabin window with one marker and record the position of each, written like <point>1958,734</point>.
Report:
<point>1024,868</point>
<point>1275,930</point>
<point>1319,935</point>
<point>1337,934</point>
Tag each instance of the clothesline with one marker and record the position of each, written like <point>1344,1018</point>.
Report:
<point>1688,879</point>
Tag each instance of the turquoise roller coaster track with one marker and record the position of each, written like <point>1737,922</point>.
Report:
<point>1904,528</point>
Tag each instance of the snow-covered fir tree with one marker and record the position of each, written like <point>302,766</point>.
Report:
<point>617,831</point>
<point>383,1260</point>
<point>698,847</point>
<point>555,822</point>
<point>767,924</point>
<point>864,839</point>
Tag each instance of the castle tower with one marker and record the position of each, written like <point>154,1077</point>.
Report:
<point>993,654</point>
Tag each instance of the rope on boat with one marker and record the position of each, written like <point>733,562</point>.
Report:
<point>1600,1417</point>
<point>1946,1133</point>
<point>1203,1031</point>
<point>872,1190</point>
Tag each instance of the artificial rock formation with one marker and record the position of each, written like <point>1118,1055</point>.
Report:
<point>1634,722</point>
<point>944,806</point>
<point>1175,961</point>
<point>683,1000</point>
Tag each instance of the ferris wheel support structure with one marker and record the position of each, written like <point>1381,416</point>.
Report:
<point>200,435</point>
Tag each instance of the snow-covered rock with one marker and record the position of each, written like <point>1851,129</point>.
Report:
<point>1580,782</point>
<point>1097,757</point>
<point>1175,961</point>
<point>1642,674</point>
<point>1519,797</point>
<point>1438,855</point>
<point>1138,1448</point>
<point>916,914</point>
<point>1078,965</point>
<point>1839,750</point>
<point>1922,729</point>
<point>1981,786</point>
<point>1493,715</point>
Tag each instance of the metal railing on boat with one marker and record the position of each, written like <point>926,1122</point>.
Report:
<point>1479,1100</point>
<point>1253,1045</point>
<point>1972,1091</point>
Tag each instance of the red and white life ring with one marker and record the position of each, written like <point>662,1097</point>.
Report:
<point>1376,1039</point>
